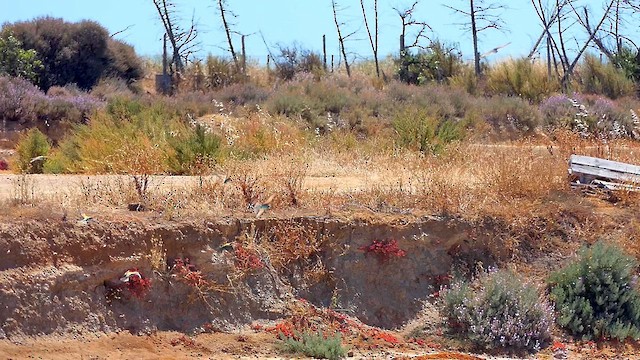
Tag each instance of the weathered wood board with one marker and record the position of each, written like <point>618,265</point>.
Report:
<point>588,168</point>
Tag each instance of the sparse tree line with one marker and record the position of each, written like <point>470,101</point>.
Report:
<point>52,52</point>
<point>569,28</point>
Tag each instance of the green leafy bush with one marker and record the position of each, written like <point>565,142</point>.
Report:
<point>595,295</point>
<point>31,146</point>
<point>438,62</point>
<point>315,345</point>
<point>130,136</point>
<point>294,60</point>
<point>16,61</point>
<point>419,130</point>
<point>521,77</point>
<point>199,149</point>
<point>629,62</point>
<point>596,77</point>
<point>220,72</point>
<point>507,115</point>
<point>75,53</point>
<point>498,310</point>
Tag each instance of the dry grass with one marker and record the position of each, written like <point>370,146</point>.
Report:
<point>471,181</point>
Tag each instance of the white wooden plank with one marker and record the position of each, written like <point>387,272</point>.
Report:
<point>605,173</point>
<point>606,164</point>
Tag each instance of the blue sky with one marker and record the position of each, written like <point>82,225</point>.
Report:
<point>284,22</point>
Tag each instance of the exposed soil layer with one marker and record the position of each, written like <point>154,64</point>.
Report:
<point>57,276</point>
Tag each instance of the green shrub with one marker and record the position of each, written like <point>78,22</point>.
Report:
<point>596,77</point>
<point>30,146</point>
<point>220,72</point>
<point>124,108</point>
<point>110,88</point>
<point>288,103</point>
<point>629,62</point>
<point>327,97</point>
<point>315,345</point>
<point>595,295</point>
<point>294,60</point>
<point>131,136</point>
<point>438,62</point>
<point>419,130</point>
<point>16,61</point>
<point>244,94</point>
<point>522,78</point>
<point>199,149</point>
<point>510,115</point>
<point>498,310</point>
<point>75,53</point>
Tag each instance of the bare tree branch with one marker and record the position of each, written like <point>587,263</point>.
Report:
<point>181,40</point>
<point>121,31</point>
<point>408,21</point>
<point>372,41</point>
<point>569,72</point>
<point>222,7</point>
<point>482,16</point>
<point>341,39</point>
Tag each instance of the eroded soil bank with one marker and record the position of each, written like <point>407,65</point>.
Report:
<point>59,276</point>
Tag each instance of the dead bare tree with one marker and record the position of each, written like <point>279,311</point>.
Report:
<point>373,39</point>
<point>341,38</point>
<point>224,13</point>
<point>617,20</point>
<point>567,10</point>
<point>550,14</point>
<point>483,15</point>
<point>408,22</point>
<point>182,40</point>
<point>592,35</point>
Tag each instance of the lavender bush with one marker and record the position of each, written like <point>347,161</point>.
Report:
<point>21,101</point>
<point>557,110</point>
<point>499,309</point>
<point>589,115</point>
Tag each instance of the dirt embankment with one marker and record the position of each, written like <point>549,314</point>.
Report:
<point>58,277</point>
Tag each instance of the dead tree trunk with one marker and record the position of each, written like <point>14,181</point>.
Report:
<point>373,39</point>
<point>474,33</point>
<point>341,39</point>
<point>227,29</point>
<point>483,15</point>
<point>567,75</point>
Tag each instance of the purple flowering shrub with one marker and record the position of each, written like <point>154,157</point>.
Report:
<point>558,110</point>
<point>507,115</point>
<point>589,115</point>
<point>19,100</point>
<point>23,102</point>
<point>498,309</point>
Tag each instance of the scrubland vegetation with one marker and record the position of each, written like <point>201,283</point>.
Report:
<point>422,140</point>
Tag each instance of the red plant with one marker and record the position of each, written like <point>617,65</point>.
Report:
<point>283,329</point>
<point>188,272</point>
<point>385,336</point>
<point>184,340</point>
<point>133,282</point>
<point>557,345</point>
<point>138,286</point>
<point>4,165</point>
<point>384,249</point>
<point>246,259</point>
